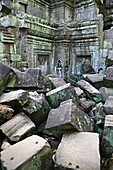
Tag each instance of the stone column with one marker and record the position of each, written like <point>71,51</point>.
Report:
<point>66,61</point>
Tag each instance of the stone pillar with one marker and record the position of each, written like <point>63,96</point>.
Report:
<point>66,61</point>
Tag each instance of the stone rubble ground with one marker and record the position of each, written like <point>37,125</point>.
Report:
<point>57,125</point>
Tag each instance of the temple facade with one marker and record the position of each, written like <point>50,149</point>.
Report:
<point>56,35</point>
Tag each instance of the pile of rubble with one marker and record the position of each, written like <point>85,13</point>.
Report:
<point>49,124</point>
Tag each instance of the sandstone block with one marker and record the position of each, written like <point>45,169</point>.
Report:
<point>6,113</point>
<point>32,153</point>
<point>57,81</point>
<point>17,127</point>
<point>28,78</point>
<point>15,98</point>
<point>105,93</point>
<point>96,79</point>
<point>109,77</point>
<point>68,116</point>
<point>87,104</point>
<point>108,106</point>
<point>79,92</point>
<point>7,77</point>
<point>90,91</point>
<point>107,139</point>
<point>37,108</point>
<point>60,94</point>
<point>78,151</point>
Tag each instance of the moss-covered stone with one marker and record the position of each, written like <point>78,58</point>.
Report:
<point>107,139</point>
<point>60,94</point>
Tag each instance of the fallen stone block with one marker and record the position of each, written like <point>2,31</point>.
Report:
<point>32,78</point>
<point>32,153</point>
<point>15,98</point>
<point>57,81</point>
<point>108,106</point>
<point>105,93</point>
<point>28,78</point>
<point>60,94</point>
<point>17,127</point>
<point>107,139</point>
<point>96,79</point>
<point>6,113</point>
<point>87,104</point>
<point>7,77</point>
<point>73,78</point>
<point>79,92</point>
<point>99,118</point>
<point>108,79</point>
<point>37,108</point>
<point>5,144</point>
<point>68,116</point>
<point>78,151</point>
<point>90,91</point>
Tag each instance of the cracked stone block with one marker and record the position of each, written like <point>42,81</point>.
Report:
<point>37,108</point>
<point>105,93</point>
<point>15,98</point>
<point>108,106</point>
<point>90,91</point>
<point>60,94</point>
<point>68,116</point>
<point>7,77</point>
<point>78,150</point>
<point>32,153</point>
<point>18,127</point>
<point>107,139</point>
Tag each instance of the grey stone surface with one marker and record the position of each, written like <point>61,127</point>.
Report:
<point>107,142</point>
<point>69,116</point>
<point>15,98</point>
<point>108,106</point>
<point>106,92</point>
<point>37,108</point>
<point>18,127</point>
<point>60,94</point>
<point>79,151</point>
<point>57,81</point>
<point>34,36</point>
<point>6,113</point>
<point>28,78</point>
<point>79,92</point>
<point>32,153</point>
<point>91,91</point>
<point>7,76</point>
<point>109,77</point>
<point>94,78</point>
<point>5,144</point>
<point>87,104</point>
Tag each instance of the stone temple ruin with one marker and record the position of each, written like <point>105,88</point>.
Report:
<point>56,85</point>
<point>40,33</point>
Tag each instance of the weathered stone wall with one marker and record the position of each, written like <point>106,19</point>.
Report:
<point>40,33</point>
